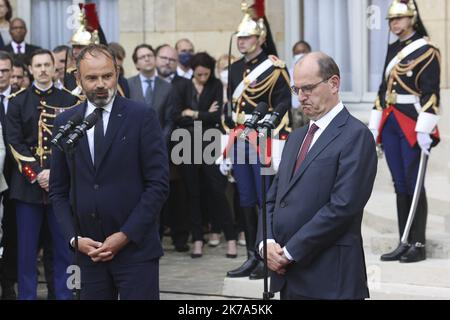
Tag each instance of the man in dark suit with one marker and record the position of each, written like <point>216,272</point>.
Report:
<point>148,88</point>
<point>316,202</point>
<point>21,50</point>
<point>122,183</point>
<point>8,270</point>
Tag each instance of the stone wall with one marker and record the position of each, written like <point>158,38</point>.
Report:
<point>208,23</point>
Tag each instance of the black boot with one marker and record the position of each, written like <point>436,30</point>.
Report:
<point>396,254</point>
<point>419,225</point>
<point>403,205</point>
<point>414,254</point>
<point>250,225</point>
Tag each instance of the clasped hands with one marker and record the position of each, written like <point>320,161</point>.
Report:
<point>276,259</point>
<point>103,252</point>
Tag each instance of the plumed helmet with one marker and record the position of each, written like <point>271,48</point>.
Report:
<point>252,23</point>
<point>87,32</point>
<point>402,8</point>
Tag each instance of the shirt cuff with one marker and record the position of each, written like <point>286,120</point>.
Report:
<point>286,253</point>
<point>72,241</point>
<point>261,244</point>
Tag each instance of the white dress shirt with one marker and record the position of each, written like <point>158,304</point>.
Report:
<point>185,74</point>
<point>90,133</point>
<point>15,47</point>
<point>144,83</point>
<point>322,123</point>
<point>6,93</point>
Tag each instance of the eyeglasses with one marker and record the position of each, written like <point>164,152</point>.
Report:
<point>307,89</point>
<point>146,56</point>
<point>167,59</point>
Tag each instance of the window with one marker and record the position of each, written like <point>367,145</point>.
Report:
<point>355,33</point>
<point>52,21</point>
<point>327,29</point>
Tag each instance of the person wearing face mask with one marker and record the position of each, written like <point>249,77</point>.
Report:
<point>185,50</point>
<point>404,119</point>
<point>299,49</point>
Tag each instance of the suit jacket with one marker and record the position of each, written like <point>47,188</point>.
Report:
<point>24,57</point>
<point>3,184</point>
<point>162,101</point>
<point>127,190</point>
<point>317,214</point>
<point>213,91</point>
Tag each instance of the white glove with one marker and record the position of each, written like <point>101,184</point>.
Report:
<point>225,167</point>
<point>424,141</point>
<point>375,134</point>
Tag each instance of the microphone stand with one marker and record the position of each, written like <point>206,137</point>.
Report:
<point>73,187</point>
<point>263,135</point>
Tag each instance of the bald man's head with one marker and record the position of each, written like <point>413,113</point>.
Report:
<point>317,82</point>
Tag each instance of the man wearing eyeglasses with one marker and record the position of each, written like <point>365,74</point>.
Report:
<point>316,202</point>
<point>148,88</point>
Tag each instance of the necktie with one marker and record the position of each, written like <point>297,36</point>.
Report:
<point>19,49</point>
<point>305,146</point>
<point>99,136</point>
<point>149,92</point>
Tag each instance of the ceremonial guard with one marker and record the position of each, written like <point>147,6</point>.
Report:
<point>29,130</point>
<point>257,77</point>
<point>404,120</point>
<point>88,32</point>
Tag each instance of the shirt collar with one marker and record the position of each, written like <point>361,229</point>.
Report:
<point>323,122</point>
<point>91,107</point>
<point>22,44</point>
<point>181,72</point>
<point>7,92</point>
<point>42,91</point>
<point>144,79</point>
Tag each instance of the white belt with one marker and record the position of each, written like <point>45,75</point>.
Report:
<point>406,99</point>
<point>246,117</point>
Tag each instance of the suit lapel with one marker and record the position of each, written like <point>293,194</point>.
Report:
<point>115,121</point>
<point>330,133</point>
<point>138,86</point>
<point>287,173</point>
<point>156,95</point>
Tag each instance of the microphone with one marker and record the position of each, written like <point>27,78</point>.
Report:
<point>81,129</point>
<point>275,118</point>
<point>250,124</point>
<point>64,130</point>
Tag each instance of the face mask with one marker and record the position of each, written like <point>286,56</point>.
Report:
<point>297,57</point>
<point>224,76</point>
<point>185,58</point>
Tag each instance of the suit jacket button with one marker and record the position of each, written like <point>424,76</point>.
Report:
<point>96,187</point>
<point>283,204</point>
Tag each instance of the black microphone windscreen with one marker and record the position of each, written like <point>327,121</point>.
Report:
<point>90,120</point>
<point>76,119</point>
<point>262,108</point>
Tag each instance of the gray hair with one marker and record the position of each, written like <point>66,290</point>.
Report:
<point>93,50</point>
